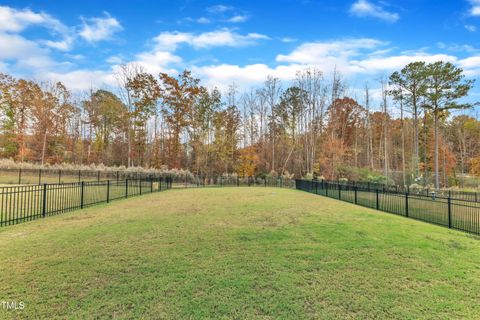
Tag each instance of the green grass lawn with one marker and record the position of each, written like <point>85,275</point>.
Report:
<point>239,253</point>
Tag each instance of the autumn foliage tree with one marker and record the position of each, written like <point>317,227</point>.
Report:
<point>247,162</point>
<point>411,133</point>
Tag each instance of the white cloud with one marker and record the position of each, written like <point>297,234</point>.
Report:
<point>114,60</point>
<point>379,64</point>
<point>224,37</point>
<point>219,8</point>
<point>62,45</point>
<point>75,56</point>
<point>222,75</point>
<point>170,40</point>
<point>25,54</point>
<point>475,9</point>
<point>237,18</point>
<point>457,47</point>
<point>99,28</point>
<point>158,61</point>
<point>316,52</point>
<point>14,20</point>
<point>203,20</point>
<point>364,8</point>
<point>353,58</point>
<point>471,65</point>
<point>470,27</point>
<point>470,62</point>
<point>82,80</point>
<point>357,56</point>
<point>288,39</point>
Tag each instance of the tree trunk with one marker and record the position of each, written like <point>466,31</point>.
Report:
<point>403,144</point>
<point>435,125</point>
<point>44,146</point>
<point>416,153</point>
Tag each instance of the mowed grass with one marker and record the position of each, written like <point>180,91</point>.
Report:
<point>237,253</point>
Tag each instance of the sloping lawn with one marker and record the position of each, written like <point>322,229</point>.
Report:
<point>237,253</point>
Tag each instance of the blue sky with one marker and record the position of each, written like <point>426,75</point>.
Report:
<point>82,42</point>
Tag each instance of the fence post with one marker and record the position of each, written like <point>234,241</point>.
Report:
<point>238,182</point>
<point>355,188</point>
<point>316,187</point>
<point>82,188</point>
<point>44,209</point>
<point>59,176</point>
<point>406,204</point>
<point>40,176</point>
<point>449,212</point>
<point>79,174</point>
<point>126,188</point>
<point>151,185</point>
<point>140,183</point>
<point>20,176</point>
<point>108,191</point>
<point>339,191</point>
<point>378,205</point>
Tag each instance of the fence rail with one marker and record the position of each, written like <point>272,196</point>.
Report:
<point>41,176</point>
<point>450,212</point>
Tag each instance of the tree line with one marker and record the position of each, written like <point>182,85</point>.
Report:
<point>313,127</point>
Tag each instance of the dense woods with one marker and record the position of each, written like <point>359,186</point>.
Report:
<point>417,130</point>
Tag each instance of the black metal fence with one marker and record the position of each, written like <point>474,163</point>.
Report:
<point>450,212</point>
<point>41,176</point>
<point>446,193</point>
<point>219,181</point>
<point>29,202</point>
<point>56,176</point>
<point>25,203</point>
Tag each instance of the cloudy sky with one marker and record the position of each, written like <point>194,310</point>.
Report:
<point>82,42</point>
